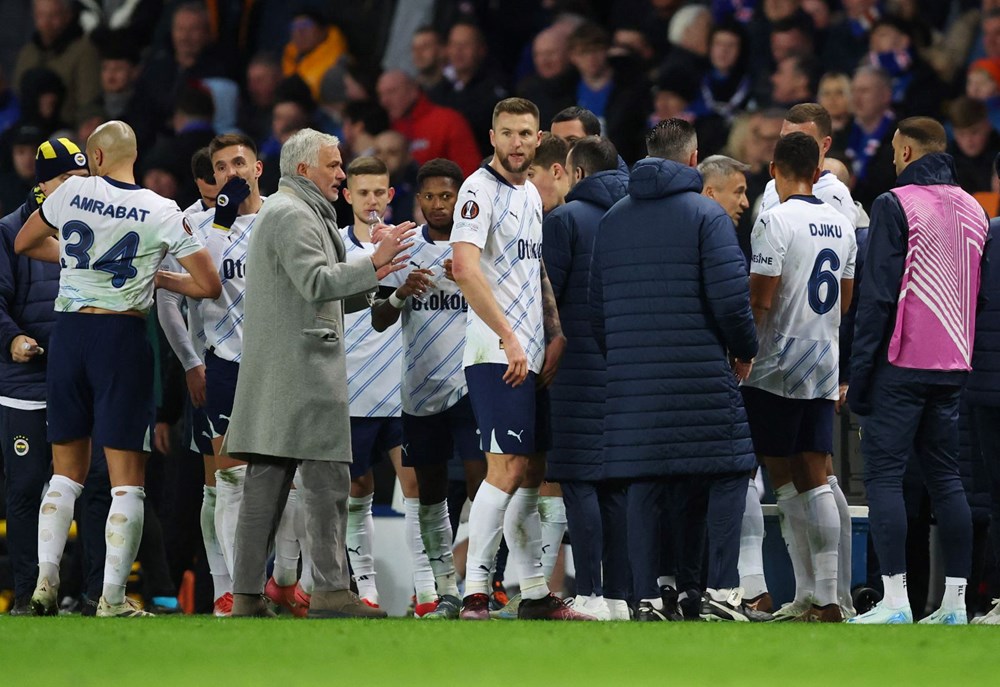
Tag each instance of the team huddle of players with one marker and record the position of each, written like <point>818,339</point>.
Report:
<point>448,363</point>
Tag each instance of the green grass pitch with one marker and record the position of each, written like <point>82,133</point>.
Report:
<point>79,652</point>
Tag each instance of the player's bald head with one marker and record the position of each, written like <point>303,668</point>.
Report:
<point>115,142</point>
<point>839,169</point>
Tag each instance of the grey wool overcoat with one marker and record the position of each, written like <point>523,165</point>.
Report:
<point>291,397</point>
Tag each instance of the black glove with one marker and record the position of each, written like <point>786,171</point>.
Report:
<point>227,203</point>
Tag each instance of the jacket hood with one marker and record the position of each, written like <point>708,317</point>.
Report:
<point>659,178</point>
<point>934,168</point>
<point>603,189</point>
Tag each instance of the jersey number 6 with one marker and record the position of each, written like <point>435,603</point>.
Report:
<point>117,260</point>
<point>822,303</point>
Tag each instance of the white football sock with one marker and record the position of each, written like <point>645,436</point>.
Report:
<point>435,530</point>
<point>122,535</point>
<point>286,544</point>
<point>423,573</point>
<point>229,496</point>
<point>306,580</point>
<point>792,507</point>
<point>486,520</point>
<point>954,593</point>
<point>823,527</point>
<point>895,591</point>
<point>619,608</point>
<point>667,581</point>
<point>751,564</point>
<point>361,544</point>
<point>720,595</point>
<point>221,581</point>
<point>54,518</point>
<point>552,514</point>
<point>844,549</point>
<point>522,528</point>
<point>656,602</point>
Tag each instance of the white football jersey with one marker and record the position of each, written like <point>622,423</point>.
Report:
<point>827,188</point>
<point>195,208</point>
<point>112,238</point>
<point>222,318</point>
<point>505,222</point>
<point>374,359</point>
<point>811,246</point>
<point>433,333</point>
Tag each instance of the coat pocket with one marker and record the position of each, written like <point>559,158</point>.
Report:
<point>322,333</point>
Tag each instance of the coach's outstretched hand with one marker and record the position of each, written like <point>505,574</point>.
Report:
<point>389,254</point>
<point>227,203</point>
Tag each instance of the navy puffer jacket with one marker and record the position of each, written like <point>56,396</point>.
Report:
<point>577,395</point>
<point>669,302</point>
<point>28,290</point>
<point>983,387</point>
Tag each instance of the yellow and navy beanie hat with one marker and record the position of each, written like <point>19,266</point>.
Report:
<point>57,156</point>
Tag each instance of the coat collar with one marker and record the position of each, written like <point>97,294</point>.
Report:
<point>306,191</point>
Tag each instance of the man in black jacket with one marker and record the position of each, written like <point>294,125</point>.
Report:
<point>666,238</point>
<point>982,391</point>
<point>27,292</point>
<point>470,86</point>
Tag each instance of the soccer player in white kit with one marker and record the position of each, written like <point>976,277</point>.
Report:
<point>438,421</point>
<point>185,333</point>
<point>497,246</point>
<point>811,119</point>
<point>112,237</point>
<point>801,281</point>
<point>374,370</point>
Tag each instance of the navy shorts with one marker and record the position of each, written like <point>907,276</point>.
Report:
<point>434,439</point>
<point>511,420</point>
<point>781,427</point>
<point>201,432</point>
<point>371,438</point>
<point>100,381</point>
<point>220,391</point>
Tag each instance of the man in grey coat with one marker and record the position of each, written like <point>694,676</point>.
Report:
<point>291,399</point>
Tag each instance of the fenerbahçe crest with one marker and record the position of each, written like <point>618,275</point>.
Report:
<point>21,446</point>
<point>470,210</point>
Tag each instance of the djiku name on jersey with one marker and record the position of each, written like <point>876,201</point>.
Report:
<point>812,247</point>
<point>505,222</point>
<point>433,333</point>
<point>374,359</point>
<point>113,237</point>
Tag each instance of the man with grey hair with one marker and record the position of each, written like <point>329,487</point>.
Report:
<point>291,406</point>
<point>725,182</point>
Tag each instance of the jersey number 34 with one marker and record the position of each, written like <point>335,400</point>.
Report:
<point>117,260</point>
